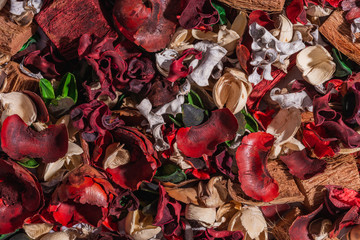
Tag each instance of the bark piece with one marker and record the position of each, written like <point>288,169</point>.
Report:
<point>288,191</point>
<point>265,5</point>
<point>341,171</point>
<point>13,36</point>
<point>14,80</point>
<point>281,228</point>
<point>65,21</point>
<point>338,32</point>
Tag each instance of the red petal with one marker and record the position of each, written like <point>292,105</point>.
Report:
<point>262,18</point>
<point>296,12</point>
<point>196,141</point>
<point>251,157</point>
<point>20,141</point>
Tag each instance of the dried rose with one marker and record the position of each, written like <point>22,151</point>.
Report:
<point>20,196</point>
<point>83,196</point>
<point>140,72</point>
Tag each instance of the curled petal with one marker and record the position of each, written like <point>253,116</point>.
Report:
<point>198,140</point>
<point>198,13</point>
<point>251,157</point>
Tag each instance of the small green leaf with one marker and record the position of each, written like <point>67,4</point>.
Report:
<point>170,173</point>
<point>29,163</point>
<point>177,120</point>
<point>222,13</point>
<point>194,99</point>
<point>342,69</point>
<point>67,87</point>
<point>28,43</point>
<point>46,89</point>
<point>251,123</point>
<point>4,236</point>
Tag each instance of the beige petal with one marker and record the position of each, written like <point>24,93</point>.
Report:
<point>240,23</point>
<point>56,236</point>
<point>204,35</point>
<point>214,193</point>
<point>205,216</point>
<point>52,168</point>
<point>316,64</point>
<point>139,226</point>
<point>181,40</point>
<point>227,39</point>
<point>116,156</point>
<point>20,104</point>
<point>318,11</point>
<point>186,195</point>
<point>36,230</point>
<point>251,221</point>
<point>286,28</point>
<point>232,90</point>
<point>321,73</point>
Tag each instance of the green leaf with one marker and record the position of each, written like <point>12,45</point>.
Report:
<point>28,43</point>
<point>46,89</point>
<point>177,120</point>
<point>170,173</point>
<point>194,99</point>
<point>4,236</point>
<point>342,69</point>
<point>67,87</point>
<point>251,123</point>
<point>29,163</point>
<point>222,13</point>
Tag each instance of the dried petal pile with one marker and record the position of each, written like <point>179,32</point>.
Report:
<point>180,119</point>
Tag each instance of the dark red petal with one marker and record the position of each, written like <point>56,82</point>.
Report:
<point>251,158</point>
<point>143,161</point>
<point>299,229</point>
<point>302,166</point>
<point>198,140</point>
<point>351,218</point>
<point>274,212</point>
<point>262,18</point>
<point>20,196</point>
<point>198,13</point>
<point>20,141</point>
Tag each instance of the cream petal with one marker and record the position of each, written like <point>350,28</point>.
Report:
<point>139,226</point>
<point>115,156</point>
<point>20,104</point>
<point>205,216</point>
<point>36,230</point>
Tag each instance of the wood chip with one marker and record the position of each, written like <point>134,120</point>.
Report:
<point>13,36</point>
<point>16,81</point>
<point>65,21</point>
<point>341,171</point>
<point>265,5</point>
<point>337,31</point>
<point>288,191</point>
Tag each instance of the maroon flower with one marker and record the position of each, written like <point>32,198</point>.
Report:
<point>83,196</point>
<point>20,196</point>
<point>94,119</point>
<point>140,72</point>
